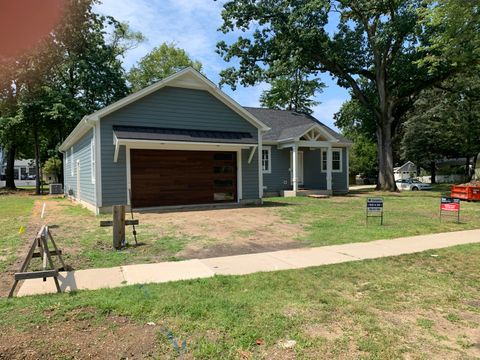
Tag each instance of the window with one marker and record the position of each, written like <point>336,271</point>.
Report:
<point>266,159</point>
<point>324,161</point>
<point>23,173</point>
<point>92,158</point>
<point>336,160</point>
<point>15,173</point>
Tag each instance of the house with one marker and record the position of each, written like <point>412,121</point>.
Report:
<point>24,172</point>
<point>406,171</point>
<point>182,141</point>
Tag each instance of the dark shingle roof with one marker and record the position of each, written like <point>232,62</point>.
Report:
<point>154,133</point>
<point>287,124</point>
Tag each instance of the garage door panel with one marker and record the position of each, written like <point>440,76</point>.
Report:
<point>164,177</point>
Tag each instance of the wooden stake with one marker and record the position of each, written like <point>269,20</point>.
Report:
<point>118,226</point>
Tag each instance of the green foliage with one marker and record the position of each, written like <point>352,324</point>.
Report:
<point>357,123</point>
<point>445,121</point>
<point>292,92</point>
<point>161,62</point>
<point>374,52</point>
<point>75,71</point>
<point>53,166</point>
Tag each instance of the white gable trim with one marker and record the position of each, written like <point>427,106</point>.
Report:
<point>322,131</point>
<point>186,78</point>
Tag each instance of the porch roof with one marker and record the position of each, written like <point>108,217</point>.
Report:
<point>285,125</point>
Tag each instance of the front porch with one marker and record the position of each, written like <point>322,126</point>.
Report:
<point>315,163</point>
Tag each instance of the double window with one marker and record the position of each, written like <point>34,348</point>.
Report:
<point>267,159</point>
<point>336,160</point>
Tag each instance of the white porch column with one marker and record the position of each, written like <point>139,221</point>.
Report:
<point>329,168</point>
<point>295,167</point>
<point>260,166</point>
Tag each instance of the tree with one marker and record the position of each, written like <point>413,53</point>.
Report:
<point>53,166</point>
<point>73,72</point>
<point>375,52</point>
<point>358,124</point>
<point>445,122</point>
<point>161,62</point>
<point>293,91</point>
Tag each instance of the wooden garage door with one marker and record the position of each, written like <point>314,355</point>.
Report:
<point>172,177</point>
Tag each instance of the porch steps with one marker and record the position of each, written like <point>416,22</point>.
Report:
<point>318,196</point>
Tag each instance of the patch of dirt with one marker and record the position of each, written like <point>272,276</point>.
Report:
<point>115,337</point>
<point>461,336</point>
<point>225,232</point>
<point>6,278</point>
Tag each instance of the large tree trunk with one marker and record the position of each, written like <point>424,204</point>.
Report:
<point>433,172</point>
<point>468,174</point>
<point>386,178</point>
<point>385,119</point>
<point>474,165</point>
<point>9,171</point>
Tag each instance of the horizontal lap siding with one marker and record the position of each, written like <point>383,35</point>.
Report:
<point>169,107</point>
<point>249,176</point>
<point>82,152</point>
<point>279,178</point>
<point>313,177</point>
<point>339,179</point>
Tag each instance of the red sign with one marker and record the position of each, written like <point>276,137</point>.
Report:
<point>450,207</point>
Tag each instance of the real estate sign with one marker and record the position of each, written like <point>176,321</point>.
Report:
<point>375,208</point>
<point>450,204</point>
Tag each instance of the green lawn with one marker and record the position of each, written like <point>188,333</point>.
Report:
<point>336,220</point>
<point>341,219</point>
<point>15,212</point>
<point>420,306</point>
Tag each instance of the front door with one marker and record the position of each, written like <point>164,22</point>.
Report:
<point>300,168</point>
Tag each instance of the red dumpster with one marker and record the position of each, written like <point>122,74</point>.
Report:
<point>466,192</point>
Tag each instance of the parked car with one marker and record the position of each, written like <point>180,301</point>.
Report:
<point>412,184</point>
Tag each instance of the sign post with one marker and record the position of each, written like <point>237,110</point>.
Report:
<point>450,204</point>
<point>375,208</point>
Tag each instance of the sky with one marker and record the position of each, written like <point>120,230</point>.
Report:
<point>192,25</point>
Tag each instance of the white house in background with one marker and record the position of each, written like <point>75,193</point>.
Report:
<point>24,172</point>
<point>406,171</point>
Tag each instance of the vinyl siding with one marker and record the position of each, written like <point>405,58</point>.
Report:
<point>339,180</point>
<point>249,176</point>
<point>81,152</point>
<point>279,178</point>
<point>170,107</point>
<point>313,177</point>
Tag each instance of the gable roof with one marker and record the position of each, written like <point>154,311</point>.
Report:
<point>186,78</point>
<point>285,124</point>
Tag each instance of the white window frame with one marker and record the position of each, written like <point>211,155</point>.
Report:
<point>72,163</point>
<point>268,149</point>
<point>339,151</point>
<point>92,158</point>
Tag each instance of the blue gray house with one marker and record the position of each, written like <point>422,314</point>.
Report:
<point>182,141</point>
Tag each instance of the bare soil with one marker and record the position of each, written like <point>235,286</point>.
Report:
<point>223,232</point>
<point>6,278</point>
<point>80,337</point>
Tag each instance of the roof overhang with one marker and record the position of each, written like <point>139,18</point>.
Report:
<point>186,78</point>
<point>177,145</point>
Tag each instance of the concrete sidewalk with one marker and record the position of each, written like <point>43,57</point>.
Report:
<point>92,279</point>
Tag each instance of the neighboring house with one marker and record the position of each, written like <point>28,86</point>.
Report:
<point>182,141</point>
<point>406,171</point>
<point>24,172</point>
